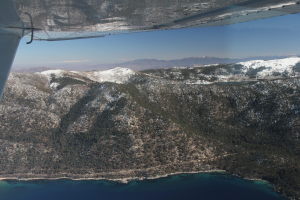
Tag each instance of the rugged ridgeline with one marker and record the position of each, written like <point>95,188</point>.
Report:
<point>118,124</point>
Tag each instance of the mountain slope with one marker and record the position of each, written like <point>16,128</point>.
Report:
<point>140,124</point>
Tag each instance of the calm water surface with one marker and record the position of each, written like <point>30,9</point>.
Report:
<point>185,187</point>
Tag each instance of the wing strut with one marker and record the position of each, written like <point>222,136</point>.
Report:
<point>32,29</point>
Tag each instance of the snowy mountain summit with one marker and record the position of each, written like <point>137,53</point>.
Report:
<point>271,67</point>
<point>115,75</point>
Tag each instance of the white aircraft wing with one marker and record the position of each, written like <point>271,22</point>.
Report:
<point>8,46</point>
<point>71,19</point>
<point>10,35</point>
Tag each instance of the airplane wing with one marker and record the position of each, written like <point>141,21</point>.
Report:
<point>8,46</point>
<point>71,19</point>
<point>10,36</point>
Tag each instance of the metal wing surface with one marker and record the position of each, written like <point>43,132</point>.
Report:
<point>70,19</point>
<point>10,35</point>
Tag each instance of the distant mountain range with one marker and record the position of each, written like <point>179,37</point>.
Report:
<point>144,64</point>
<point>201,75</point>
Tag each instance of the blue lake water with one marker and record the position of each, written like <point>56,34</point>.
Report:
<point>209,186</point>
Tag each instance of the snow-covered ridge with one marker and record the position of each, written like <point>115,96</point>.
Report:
<point>269,67</point>
<point>115,75</point>
<point>206,74</point>
<point>237,72</point>
<point>56,72</point>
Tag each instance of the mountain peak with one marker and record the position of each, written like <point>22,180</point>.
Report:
<point>56,72</point>
<point>269,67</point>
<point>271,63</point>
<point>115,75</point>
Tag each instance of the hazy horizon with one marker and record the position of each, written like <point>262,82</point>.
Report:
<point>71,63</point>
<point>145,64</point>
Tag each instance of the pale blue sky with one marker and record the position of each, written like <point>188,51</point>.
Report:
<point>268,37</point>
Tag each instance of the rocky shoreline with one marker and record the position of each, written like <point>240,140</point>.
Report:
<point>97,177</point>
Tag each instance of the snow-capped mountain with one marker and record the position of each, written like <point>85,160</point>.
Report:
<point>269,68</point>
<point>238,72</point>
<point>116,75</point>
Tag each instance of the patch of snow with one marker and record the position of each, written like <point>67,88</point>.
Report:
<point>54,85</point>
<point>271,66</point>
<point>58,73</point>
<point>109,98</point>
<point>222,78</point>
<point>116,75</point>
<point>198,82</point>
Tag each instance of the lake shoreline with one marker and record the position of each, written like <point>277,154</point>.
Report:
<point>120,180</point>
<point>130,179</point>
